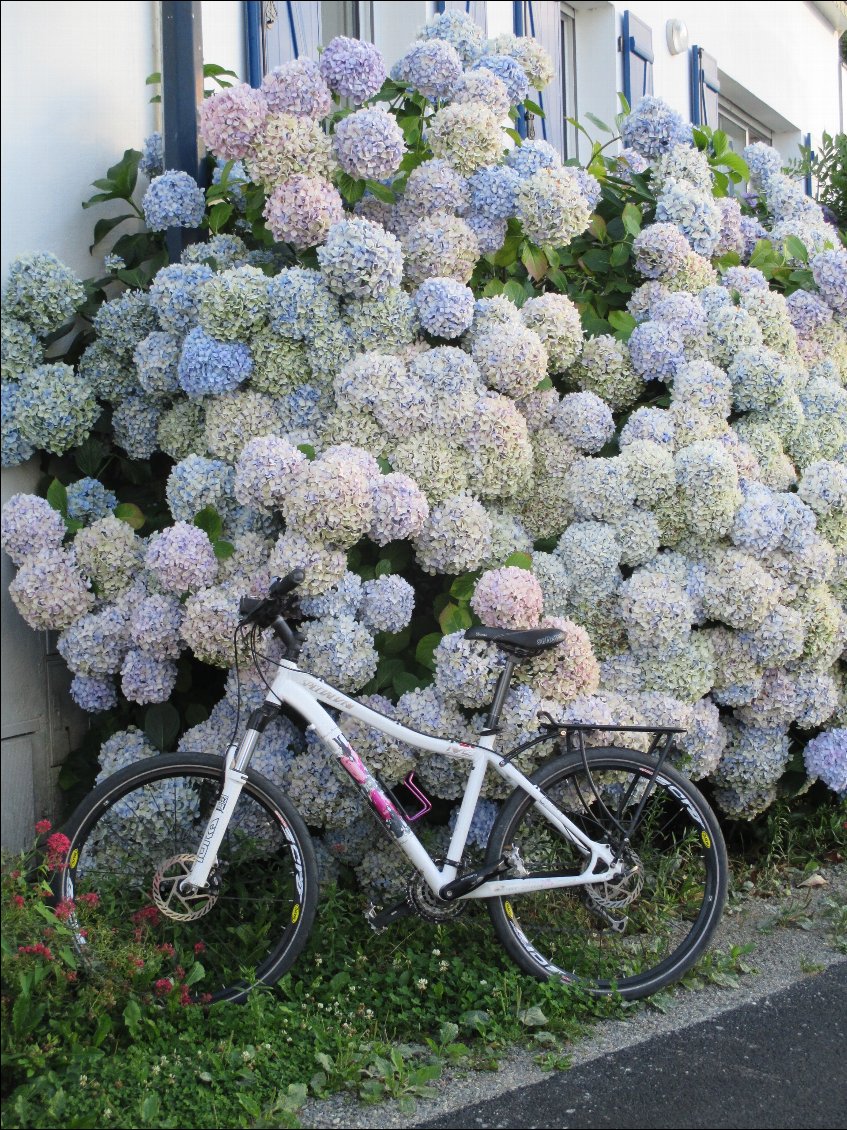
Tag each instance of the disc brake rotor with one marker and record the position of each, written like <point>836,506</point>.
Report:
<point>174,903</point>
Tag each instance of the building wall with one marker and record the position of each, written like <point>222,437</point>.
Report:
<point>73,99</point>
<point>781,63</point>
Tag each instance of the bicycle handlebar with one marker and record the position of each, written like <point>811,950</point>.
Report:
<point>268,612</point>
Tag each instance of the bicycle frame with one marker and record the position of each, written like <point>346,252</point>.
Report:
<point>305,693</point>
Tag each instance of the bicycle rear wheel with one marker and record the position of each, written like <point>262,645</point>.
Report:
<point>644,930</point>
<point>135,836</point>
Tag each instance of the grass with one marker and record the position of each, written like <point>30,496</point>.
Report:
<point>378,1016</point>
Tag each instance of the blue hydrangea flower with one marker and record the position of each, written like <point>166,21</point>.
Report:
<point>15,448</point>
<point>432,67</point>
<point>510,73</point>
<point>361,259</point>
<point>445,307</point>
<point>89,500</point>
<point>174,199</point>
<point>152,162</point>
<point>387,604</point>
<point>207,366</point>
<point>352,68</point>
<point>197,482</point>
<point>94,693</point>
<point>175,295</point>
<point>653,128</point>
<point>526,159</point>
<point>136,426</point>
<point>493,191</point>
<point>42,292</point>
<point>55,408</point>
<point>826,757</point>
<point>298,300</point>
<point>122,322</point>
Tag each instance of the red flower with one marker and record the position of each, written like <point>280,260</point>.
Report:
<point>42,827</point>
<point>18,900</point>
<point>91,899</point>
<point>167,949</point>
<point>39,948</point>
<point>199,947</point>
<point>184,996</point>
<point>149,914</point>
<point>58,846</point>
<point>64,909</point>
<point>163,986</point>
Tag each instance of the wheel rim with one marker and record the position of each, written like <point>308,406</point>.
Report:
<point>628,935</point>
<point>142,833</point>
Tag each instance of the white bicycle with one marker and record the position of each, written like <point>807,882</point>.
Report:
<point>605,867</point>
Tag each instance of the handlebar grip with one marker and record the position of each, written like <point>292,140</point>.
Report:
<point>284,585</point>
<point>247,606</point>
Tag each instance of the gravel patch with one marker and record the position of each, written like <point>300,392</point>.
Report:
<point>793,938</point>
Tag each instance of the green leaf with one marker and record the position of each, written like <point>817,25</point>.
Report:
<point>454,619</point>
<point>601,125</point>
<point>104,226</point>
<point>597,227</point>
<point>223,549</point>
<point>150,1106</point>
<point>209,519</point>
<point>405,681</point>
<point>720,142</point>
<point>307,450</point>
<point>544,384</point>
<point>383,568</point>
<point>515,136</point>
<point>219,214</point>
<point>104,1027</point>
<point>631,218</point>
<point>195,973</point>
<point>425,649</point>
<point>619,254</point>
<point>492,287</point>
<point>161,724</point>
<point>519,561</point>
<point>463,587</point>
<point>395,643</point>
<point>796,248</point>
<point>533,108</point>
<point>622,320</point>
<point>535,261</point>
<point>532,1017</point>
<point>131,514</point>
<point>380,191</point>
<point>132,1018</point>
<point>596,260</point>
<point>736,163</point>
<point>514,291</point>
<point>57,496</point>
<point>153,79</point>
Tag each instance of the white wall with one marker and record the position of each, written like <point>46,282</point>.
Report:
<point>73,99</point>
<point>782,59</point>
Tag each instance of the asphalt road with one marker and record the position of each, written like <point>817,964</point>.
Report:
<point>781,1062</point>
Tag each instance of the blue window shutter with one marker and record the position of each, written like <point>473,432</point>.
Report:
<point>254,41</point>
<point>637,51</point>
<point>807,141</point>
<point>705,88</point>
<point>294,33</point>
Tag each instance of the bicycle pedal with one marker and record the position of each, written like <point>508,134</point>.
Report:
<point>379,920</point>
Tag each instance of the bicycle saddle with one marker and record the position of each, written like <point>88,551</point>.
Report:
<point>525,643</point>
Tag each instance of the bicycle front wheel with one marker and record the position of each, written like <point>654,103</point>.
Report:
<point>135,836</point>
<point>644,930</point>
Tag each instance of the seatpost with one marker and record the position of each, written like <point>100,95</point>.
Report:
<point>492,725</point>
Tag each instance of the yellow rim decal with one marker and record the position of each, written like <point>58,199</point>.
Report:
<point>507,906</point>
<point>74,857</point>
<point>295,913</point>
<point>706,838</point>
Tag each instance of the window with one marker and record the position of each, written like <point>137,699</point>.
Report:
<point>740,128</point>
<point>294,29</point>
<point>567,33</point>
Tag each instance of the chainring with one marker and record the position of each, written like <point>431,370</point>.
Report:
<point>428,905</point>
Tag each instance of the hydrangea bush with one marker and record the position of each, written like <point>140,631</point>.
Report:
<point>457,382</point>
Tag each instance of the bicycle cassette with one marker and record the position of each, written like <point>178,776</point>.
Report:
<point>428,905</point>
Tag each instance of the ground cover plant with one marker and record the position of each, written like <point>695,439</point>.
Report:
<point>379,1016</point>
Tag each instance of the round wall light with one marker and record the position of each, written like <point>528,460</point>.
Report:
<point>677,36</point>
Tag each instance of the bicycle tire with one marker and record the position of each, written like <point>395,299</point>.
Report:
<point>125,839</point>
<point>673,898</point>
